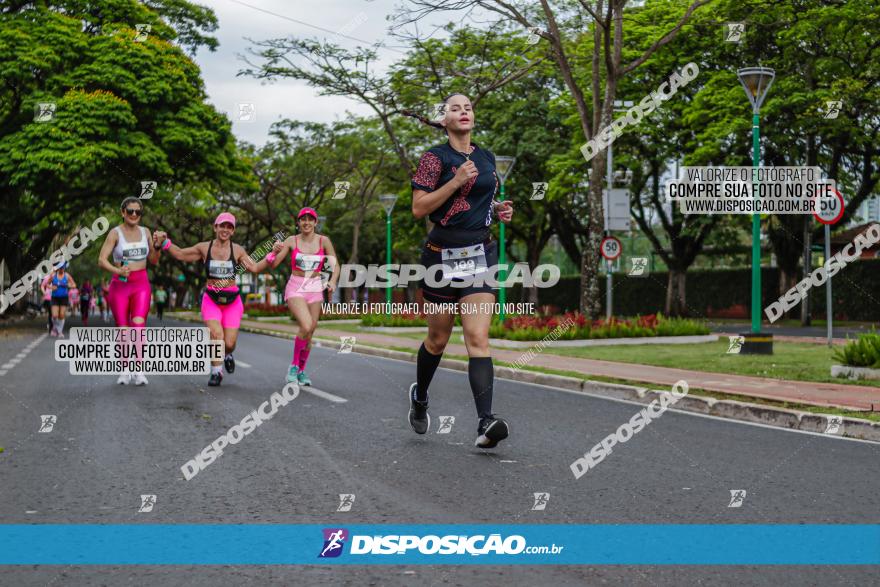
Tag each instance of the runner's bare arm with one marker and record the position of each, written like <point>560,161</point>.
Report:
<point>426,202</point>
<point>155,253</point>
<point>104,256</point>
<point>280,249</point>
<point>189,254</point>
<point>242,257</point>
<point>334,266</point>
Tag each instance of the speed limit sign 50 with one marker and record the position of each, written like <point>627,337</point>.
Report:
<point>610,248</point>
<point>830,207</point>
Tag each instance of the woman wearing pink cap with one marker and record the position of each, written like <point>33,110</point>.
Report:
<point>221,302</point>
<point>305,288</point>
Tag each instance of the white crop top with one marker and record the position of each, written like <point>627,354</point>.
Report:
<point>131,252</point>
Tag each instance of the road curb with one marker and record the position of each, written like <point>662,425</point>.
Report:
<point>730,409</point>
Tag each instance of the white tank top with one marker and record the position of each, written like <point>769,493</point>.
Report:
<point>131,252</point>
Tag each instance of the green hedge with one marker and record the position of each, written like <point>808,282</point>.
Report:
<point>856,291</point>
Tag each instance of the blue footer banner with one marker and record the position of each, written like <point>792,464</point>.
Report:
<point>454,544</point>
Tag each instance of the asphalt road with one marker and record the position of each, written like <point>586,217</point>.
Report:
<point>110,444</point>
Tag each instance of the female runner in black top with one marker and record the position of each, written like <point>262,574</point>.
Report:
<point>455,187</point>
<point>221,305</point>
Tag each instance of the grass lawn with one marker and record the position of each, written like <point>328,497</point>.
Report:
<point>790,360</point>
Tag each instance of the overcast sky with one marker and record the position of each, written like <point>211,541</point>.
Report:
<point>242,19</point>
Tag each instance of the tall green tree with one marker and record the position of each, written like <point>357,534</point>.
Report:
<point>821,51</point>
<point>129,105</point>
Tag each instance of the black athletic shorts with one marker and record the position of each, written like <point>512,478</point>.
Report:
<point>61,301</point>
<point>441,238</point>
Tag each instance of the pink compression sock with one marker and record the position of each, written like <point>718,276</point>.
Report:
<point>304,356</point>
<point>298,346</point>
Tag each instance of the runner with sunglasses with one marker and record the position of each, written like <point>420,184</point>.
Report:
<point>129,293</point>
<point>221,302</point>
<point>305,288</point>
<point>455,186</point>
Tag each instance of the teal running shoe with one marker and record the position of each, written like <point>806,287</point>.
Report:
<point>304,379</point>
<point>293,374</point>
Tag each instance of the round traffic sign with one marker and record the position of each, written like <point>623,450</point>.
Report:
<point>610,248</point>
<point>830,209</point>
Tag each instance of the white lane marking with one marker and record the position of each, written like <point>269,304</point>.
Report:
<point>635,403</point>
<point>243,364</point>
<point>21,355</point>
<point>323,394</point>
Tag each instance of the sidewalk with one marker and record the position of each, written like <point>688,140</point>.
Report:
<point>786,338</point>
<point>812,334</point>
<point>848,397</point>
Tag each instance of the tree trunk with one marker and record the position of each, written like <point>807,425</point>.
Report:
<point>676,301</point>
<point>788,277</point>
<point>533,256</point>
<point>591,302</point>
<point>808,265</point>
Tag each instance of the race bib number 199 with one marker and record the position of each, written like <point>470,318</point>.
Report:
<point>463,261</point>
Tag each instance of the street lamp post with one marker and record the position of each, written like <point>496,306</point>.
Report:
<point>756,81</point>
<point>387,201</point>
<point>503,165</point>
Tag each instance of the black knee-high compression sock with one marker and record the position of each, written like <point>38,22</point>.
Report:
<point>426,365</point>
<point>481,374</point>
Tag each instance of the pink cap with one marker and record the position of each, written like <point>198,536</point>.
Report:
<point>305,211</point>
<point>224,217</point>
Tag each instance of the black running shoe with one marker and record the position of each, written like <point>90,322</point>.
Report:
<point>215,379</point>
<point>418,412</point>
<point>229,363</point>
<point>491,431</point>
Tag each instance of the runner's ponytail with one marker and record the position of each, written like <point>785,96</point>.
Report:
<point>425,119</point>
